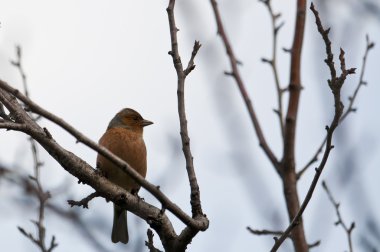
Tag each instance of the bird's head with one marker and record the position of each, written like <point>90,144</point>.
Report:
<point>129,119</point>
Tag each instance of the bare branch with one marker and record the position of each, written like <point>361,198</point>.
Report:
<point>191,65</point>
<point>361,82</point>
<point>340,221</point>
<point>195,199</point>
<point>264,232</point>
<point>335,84</point>
<point>349,109</point>
<point>273,62</point>
<point>288,169</point>
<point>314,244</point>
<point>18,64</point>
<point>236,75</point>
<point>149,243</point>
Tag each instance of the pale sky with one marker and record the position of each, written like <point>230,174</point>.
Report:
<point>85,60</point>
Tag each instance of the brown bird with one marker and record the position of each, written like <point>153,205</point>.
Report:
<point>124,138</point>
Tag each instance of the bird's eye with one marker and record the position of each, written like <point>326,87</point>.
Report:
<point>136,118</point>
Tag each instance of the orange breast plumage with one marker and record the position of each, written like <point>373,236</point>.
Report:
<point>129,146</point>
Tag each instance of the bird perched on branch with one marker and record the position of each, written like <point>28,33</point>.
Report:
<point>124,138</point>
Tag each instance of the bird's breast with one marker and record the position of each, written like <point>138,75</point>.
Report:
<point>127,145</point>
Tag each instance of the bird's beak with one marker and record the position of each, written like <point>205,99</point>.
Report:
<point>146,123</point>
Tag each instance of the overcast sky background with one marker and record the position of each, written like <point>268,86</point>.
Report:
<point>86,60</point>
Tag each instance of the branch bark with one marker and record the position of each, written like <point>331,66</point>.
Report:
<point>288,169</point>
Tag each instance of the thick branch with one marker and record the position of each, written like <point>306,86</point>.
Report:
<point>167,204</point>
<point>294,88</point>
<point>288,170</point>
<point>86,174</point>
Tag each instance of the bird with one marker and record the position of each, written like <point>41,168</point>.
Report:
<point>124,138</point>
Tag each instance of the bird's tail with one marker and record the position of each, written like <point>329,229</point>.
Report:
<point>120,226</point>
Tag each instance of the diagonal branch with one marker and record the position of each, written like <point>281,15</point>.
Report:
<point>88,175</point>
<point>154,190</point>
<point>155,217</point>
<point>236,75</point>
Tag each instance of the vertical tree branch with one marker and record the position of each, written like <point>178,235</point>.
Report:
<point>288,171</point>
<point>181,75</point>
<point>273,63</point>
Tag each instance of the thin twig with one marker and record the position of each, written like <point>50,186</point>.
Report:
<point>84,202</point>
<point>18,64</point>
<point>340,221</point>
<point>349,109</point>
<point>361,82</point>
<point>273,62</point>
<point>264,232</point>
<point>149,243</point>
<point>277,233</point>
<point>315,244</point>
<point>236,75</point>
<point>335,83</point>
